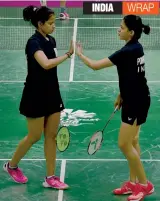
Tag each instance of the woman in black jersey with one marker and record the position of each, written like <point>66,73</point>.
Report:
<point>41,101</point>
<point>134,98</point>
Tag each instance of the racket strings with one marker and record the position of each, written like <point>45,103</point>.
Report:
<point>63,139</point>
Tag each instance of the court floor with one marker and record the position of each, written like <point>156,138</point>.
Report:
<point>89,100</point>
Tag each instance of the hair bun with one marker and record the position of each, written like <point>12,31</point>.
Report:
<point>146,29</point>
<point>29,12</point>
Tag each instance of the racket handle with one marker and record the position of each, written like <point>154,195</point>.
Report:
<point>116,109</point>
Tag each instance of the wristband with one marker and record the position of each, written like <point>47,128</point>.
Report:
<point>68,54</point>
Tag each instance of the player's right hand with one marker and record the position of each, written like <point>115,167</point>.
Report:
<point>71,49</point>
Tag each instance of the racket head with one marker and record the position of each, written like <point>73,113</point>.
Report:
<point>63,139</point>
<point>95,142</point>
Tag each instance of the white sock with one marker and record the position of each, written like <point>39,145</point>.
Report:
<point>144,185</point>
<point>132,183</point>
<point>50,177</point>
<point>12,167</point>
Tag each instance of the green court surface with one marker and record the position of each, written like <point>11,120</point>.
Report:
<point>89,100</point>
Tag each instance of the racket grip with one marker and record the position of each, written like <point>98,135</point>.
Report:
<point>116,108</point>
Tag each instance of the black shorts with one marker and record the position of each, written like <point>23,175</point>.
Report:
<point>35,103</point>
<point>133,110</point>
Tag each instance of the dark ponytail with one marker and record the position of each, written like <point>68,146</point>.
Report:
<point>35,14</point>
<point>29,13</point>
<point>146,29</point>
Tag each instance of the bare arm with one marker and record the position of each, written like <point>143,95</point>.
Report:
<point>46,63</point>
<point>96,65</point>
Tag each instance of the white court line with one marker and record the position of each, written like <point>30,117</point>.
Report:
<point>85,159</point>
<point>69,27</point>
<point>84,81</point>
<point>104,27</point>
<point>73,56</point>
<point>109,81</point>
<point>81,18</point>
<point>62,176</point>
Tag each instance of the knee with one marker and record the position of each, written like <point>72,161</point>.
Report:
<point>32,138</point>
<point>123,146</point>
<point>135,141</point>
<point>50,135</point>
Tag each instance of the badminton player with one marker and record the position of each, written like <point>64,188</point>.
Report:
<point>63,13</point>
<point>41,101</point>
<point>63,9</point>
<point>134,98</point>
